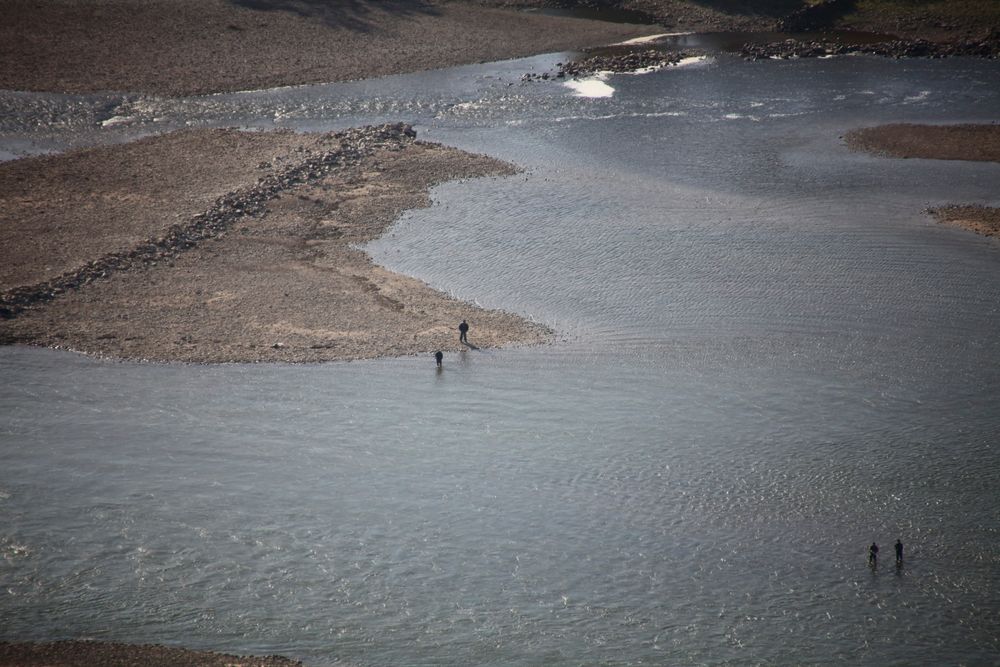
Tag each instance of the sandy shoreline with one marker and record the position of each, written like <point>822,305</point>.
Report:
<point>186,47</point>
<point>243,251</point>
<point>980,143</point>
<point>91,654</point>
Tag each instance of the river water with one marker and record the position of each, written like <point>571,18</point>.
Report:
<point>767,357</point>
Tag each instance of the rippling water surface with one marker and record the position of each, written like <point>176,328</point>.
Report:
<point>767,358</point>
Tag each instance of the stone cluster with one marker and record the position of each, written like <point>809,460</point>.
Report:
<point>354,145</point>
<point>629,62</point>
<point>988,47</point>
<point>626,62</point>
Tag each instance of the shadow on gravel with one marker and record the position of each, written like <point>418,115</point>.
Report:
<point>771,8</point>
<point>356,15</point>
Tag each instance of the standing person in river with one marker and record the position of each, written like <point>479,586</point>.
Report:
<point>899,552</point>
<point>438,356</point>
<point>873,555</point>
<point>463,329</point>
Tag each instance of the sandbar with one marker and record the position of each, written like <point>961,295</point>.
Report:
<point>218,246</point>
<point>973,142</point>
<point>113,654</point>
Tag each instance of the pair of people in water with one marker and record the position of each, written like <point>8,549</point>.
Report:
<point>873,554</point>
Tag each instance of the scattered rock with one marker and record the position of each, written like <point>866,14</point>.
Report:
<point>626,62</point>
<point>987,47</point>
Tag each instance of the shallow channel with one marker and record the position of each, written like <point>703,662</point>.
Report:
<point>767,358</point>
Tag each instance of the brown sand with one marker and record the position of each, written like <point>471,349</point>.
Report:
<point>935,142</point>
<point>939,142</point>
<point>73,207</point>
<point>184,47</point>
<point>284,286</point>
<point>104,654</point>
<point>982,220</point>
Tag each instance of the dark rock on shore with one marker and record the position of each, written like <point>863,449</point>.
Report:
<point>626,62</point>
<point>629,62</point>
<point>988,47</point>
<point>102,654</point>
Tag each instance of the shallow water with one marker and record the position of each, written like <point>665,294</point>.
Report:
<point>767,358</point>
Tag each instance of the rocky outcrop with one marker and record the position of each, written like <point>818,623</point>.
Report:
<point>988,47</point>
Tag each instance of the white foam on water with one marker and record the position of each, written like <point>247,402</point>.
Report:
<point>116,120</point>
<point>683,62</point>
<point>647,70</point>
<point>651,38</point>
<point>919,97</point>
<point>593,87</point>
<point>691,60</point>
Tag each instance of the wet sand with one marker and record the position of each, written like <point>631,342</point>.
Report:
<point>934,142</point>
<point>983,220</point>
<point>171,249</point>
<point>101,654</point>
<point>939,142</point>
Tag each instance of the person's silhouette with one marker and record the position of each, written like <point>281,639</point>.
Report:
<point>463,330</point>
<point>873,555</point>
<point>438,356</point>
<point>899,552</point>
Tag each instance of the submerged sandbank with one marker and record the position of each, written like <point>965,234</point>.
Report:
<point>112,654</point>
<point>984,220</point>
<point>231,246</point>
<point>973,142</point>
<point>935,142</point>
